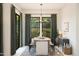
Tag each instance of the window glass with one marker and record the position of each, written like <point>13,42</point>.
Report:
<point>35,26</point>
<point>17,31</point>
<point>46,26</point>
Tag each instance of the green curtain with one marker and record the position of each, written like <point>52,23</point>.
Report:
<point>27,29</point>
<point>21,30</point>
<point>1,30</point>
<point>53,28</point>
<point>13,31</point>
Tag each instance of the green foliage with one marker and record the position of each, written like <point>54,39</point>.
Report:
<point>34,32</point>
<point>46,32</point>
<point>35,26</point>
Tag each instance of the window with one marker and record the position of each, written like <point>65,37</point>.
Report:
<point>46,26</point>
<point>17,31</point>
<point>35,26</point>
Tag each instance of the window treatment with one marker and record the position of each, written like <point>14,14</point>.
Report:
<point>1,30</point>
<point>53,28</point>
<point>27,29</point>
<point>13,32</point>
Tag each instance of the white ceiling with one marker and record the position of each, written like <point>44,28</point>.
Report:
<point>33,6</point>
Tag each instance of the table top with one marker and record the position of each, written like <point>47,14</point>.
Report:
<point>40,39</point>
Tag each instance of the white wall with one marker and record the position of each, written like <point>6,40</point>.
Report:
<point>69,15</point>
<point>77,31</point>
<point>6,29</point>
<point>59,21</point>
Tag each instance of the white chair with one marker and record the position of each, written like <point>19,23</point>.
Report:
<point>22,51</point>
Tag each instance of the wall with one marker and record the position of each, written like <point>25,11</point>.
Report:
<point>69,15</point>
<point>59,21</point>
<point>6,29</point>
<point>77,31</point>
